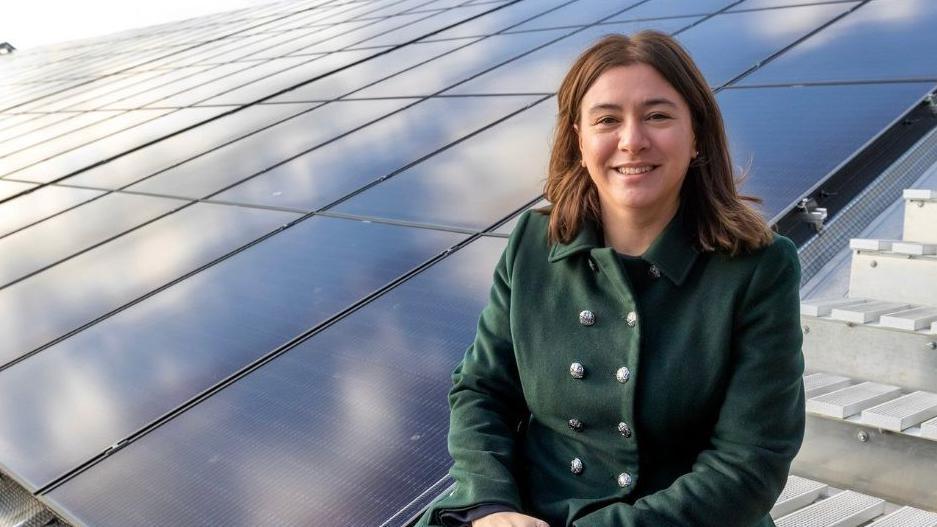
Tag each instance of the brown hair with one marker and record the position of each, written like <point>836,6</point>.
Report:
<point>720,216</point>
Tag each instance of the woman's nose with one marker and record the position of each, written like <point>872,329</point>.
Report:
<point>632,137</point>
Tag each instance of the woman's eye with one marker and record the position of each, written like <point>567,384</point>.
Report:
<point>658,117</point>
<point>606,120</point>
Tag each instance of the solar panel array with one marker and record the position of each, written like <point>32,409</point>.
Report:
<point>242,253</point>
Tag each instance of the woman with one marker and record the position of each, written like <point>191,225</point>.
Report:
<point>639,361</point>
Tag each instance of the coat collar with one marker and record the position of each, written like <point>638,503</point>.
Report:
<point>673,252</point>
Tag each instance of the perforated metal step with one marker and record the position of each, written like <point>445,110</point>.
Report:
<point>915,248</point>
<point>852,400</point>
<point>911,319</point>
<point>820,383</point>
<point>907,517</point>
<point>929,429</point>
<point>798,493</point>
<point>846,509</point>
<point>903,412</point>
<point>822,308</point>
<point>867,312</point>
<point>869,244</point>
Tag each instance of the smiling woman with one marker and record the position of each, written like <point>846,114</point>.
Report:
<point>638,363</point>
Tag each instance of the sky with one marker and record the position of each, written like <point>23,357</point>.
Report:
<point>29,24</point>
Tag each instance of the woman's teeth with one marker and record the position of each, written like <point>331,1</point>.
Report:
<point>628,171</point>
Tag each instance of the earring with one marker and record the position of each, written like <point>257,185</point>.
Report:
<point>695,154</point>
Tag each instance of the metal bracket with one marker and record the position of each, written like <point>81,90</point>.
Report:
<point>811,213</point>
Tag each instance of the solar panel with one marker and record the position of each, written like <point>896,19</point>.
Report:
<point>328,173</point>
<point>134,166</point>
<point>30,250</point>
<point>883,40</point>
<point>151,359</point>
<point>793,137</point>
<point>115,316</point>
<point>235,161</point>
<point>44,307</point>
<point>38,205</point>
<point>543,69</point>
<point>508,161</point>
<point>346,428</point>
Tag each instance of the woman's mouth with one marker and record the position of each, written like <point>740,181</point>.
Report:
<point>634,171</point>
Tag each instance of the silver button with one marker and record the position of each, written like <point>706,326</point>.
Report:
<point>654,272</point>
<point>623,374</point>
<point>624,429</point>
<point>575,424</point>
<point>632,319</point>
<point>624,480</point>
<point>577,370</point>
<point>575,466</point>
<point>586,318</point>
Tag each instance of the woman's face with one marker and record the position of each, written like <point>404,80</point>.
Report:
<point>636,139</point>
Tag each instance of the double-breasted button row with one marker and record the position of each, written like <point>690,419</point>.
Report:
<point>587,318</point>
<point>624,480</point>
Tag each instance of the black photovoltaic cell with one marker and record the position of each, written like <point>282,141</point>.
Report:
<point>543,69</point>
<point>578,13</point>
<point>763,4</point>
<point>10,188</point>
<point>67,124</point>
<point>348,80</point>
<point>46,306</point>
<point>722,51</point>
<point>501,19</point>
<point>92,150</point>
<point>327,173</point>
<point>459,65</point>
<point>274,82</point>
<point>508,161</point>
<point>662,8</point>
<point>232,163</point>
<point>345,429</point>
<point>883,39</point>
<point>793,137</point>
<point>38,204</point>
<point>111,123</point>
<point>76,230</point>
<point>149,359</point>
<point>159,156</point>
<point>432,22</point>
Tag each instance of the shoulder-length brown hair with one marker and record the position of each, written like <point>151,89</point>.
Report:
<point>719,214</point>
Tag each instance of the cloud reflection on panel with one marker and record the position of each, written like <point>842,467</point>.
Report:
<point>157,354</point>
<point>883,39</point>
<point>63,298</point>
<point>472,185</point>
<point>334,170</point>
<point>355,415</point>
<point>794,136</point>
<point>134,166</point>
<point>442,73</point>
<point>727,45</point>
<point>236,161</point>
<point>543,69</point>
<point>86,147</point>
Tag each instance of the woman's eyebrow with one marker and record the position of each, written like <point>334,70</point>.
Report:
<point>656,101</point>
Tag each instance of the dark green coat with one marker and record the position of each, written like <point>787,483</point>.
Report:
<point>712,400</point>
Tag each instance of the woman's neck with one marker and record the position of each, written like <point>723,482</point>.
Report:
<point>631,231</point>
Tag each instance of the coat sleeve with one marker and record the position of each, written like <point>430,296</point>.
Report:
<point>760,426</point>
<point>487,405</point>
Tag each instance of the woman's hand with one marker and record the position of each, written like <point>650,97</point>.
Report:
<point>508,519</point>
